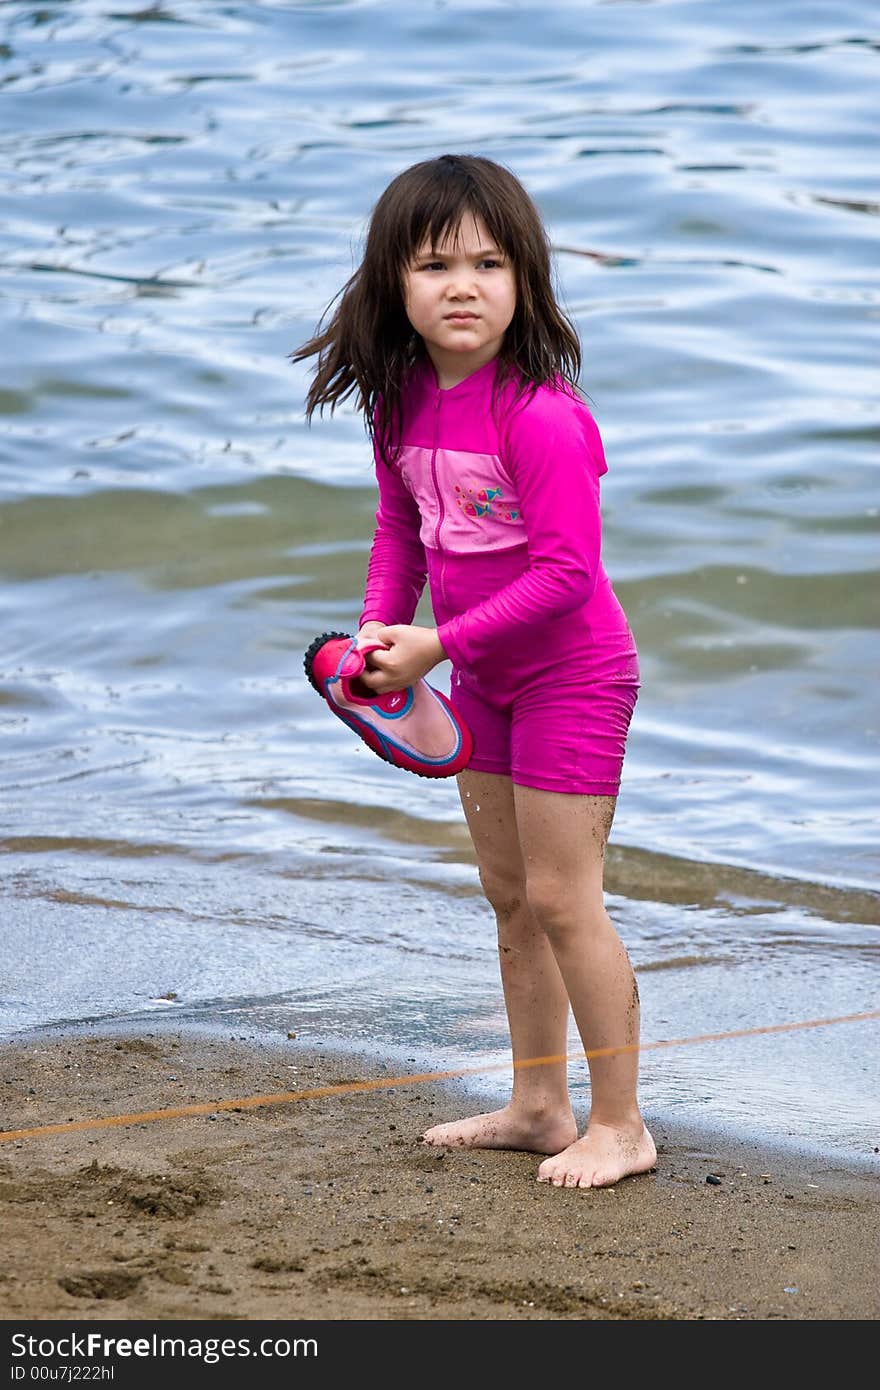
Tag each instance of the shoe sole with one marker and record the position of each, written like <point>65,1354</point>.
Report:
<point>309,658</point>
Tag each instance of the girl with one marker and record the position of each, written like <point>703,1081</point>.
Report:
<point>488,465</point>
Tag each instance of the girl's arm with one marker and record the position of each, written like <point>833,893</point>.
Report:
<point>397,571</point>
<point>554,451</point>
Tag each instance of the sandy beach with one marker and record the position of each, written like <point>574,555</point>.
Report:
<point>331,1208</point>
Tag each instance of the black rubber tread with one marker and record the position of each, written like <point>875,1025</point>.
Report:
<point>313,649</point>
<point>429,776</point>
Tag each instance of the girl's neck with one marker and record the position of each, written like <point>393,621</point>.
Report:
<point>451,369</point>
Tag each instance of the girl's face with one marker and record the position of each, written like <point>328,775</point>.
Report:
<point>460,298</point>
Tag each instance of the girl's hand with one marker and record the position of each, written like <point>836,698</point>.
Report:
<point>413,651</point>
<point>367,633</point>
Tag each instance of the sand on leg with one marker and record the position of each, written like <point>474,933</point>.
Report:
<point>562,839</point>
<point>539,1117</point>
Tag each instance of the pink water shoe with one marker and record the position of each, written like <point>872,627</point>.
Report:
<point>416,728</point>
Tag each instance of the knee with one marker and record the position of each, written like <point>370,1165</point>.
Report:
<point>505,892</point>
<point>560,908</point>
<point>548,903</point>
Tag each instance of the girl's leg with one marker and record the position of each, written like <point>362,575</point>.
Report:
<point>562,838</point>
<point>539,1117</point>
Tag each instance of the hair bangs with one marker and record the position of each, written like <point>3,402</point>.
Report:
<point>439,209</point>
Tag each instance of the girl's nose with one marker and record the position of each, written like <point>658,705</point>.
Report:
<point>461,286</point>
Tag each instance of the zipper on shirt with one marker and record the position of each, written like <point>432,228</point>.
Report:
<point>437,493</point>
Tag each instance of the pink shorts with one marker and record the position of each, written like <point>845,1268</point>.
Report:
<point>554,737</point>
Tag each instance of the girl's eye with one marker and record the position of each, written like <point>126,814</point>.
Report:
<point>488,263</point>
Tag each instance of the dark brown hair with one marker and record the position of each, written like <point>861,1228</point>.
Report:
<point>369,344</point>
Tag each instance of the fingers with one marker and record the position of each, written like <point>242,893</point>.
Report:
<point>375,668</point>
<point>380,673</point>
<point>366,639</point>
<point>372,670</point>
<point>375,661</point>
<point>378,682</point>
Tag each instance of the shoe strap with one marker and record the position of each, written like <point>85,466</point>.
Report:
<point>352,662</point>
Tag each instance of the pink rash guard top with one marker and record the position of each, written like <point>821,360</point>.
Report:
<point>495,501</point>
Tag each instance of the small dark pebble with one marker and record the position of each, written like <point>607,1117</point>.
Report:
<point>714,1179</point>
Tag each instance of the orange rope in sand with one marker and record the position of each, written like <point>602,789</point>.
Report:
<point>386,1082</point>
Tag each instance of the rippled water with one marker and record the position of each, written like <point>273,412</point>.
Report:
<point>185,187</point>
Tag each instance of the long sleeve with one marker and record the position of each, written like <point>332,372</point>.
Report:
<point>397,570</point>
<point>553,450</point>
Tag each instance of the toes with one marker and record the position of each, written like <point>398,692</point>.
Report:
<point>606,1179</point>
<point>436,1141</point>
<point>563,1176</point>
<point>557,1174</point>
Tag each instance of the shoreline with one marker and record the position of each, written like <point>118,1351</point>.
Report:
<point>467,1083</point>
<point>330,1208</point>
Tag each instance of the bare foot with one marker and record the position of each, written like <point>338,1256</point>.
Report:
<point>535,1132</point>
<point>601,1158</point>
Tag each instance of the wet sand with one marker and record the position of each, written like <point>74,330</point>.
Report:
<point>332,1209</point>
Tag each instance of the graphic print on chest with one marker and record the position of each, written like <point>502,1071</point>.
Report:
<point>466,501</point>
<point>485,502</point>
